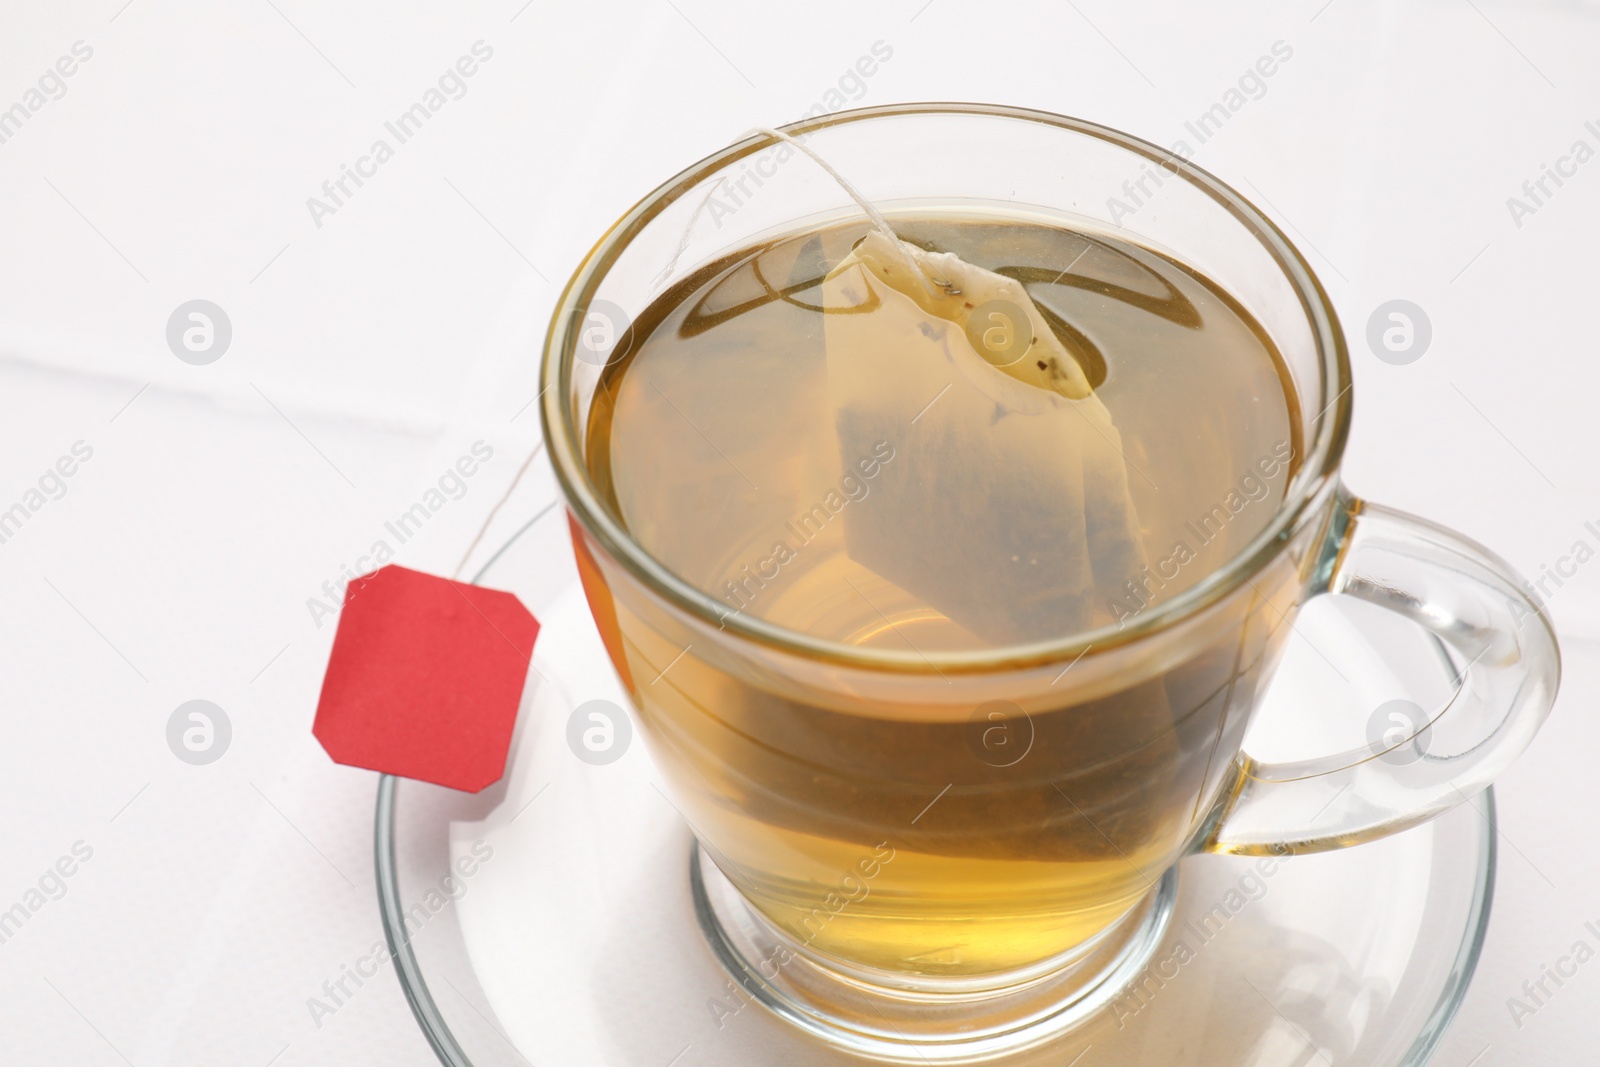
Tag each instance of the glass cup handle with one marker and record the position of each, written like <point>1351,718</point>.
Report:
<point>1508,667</point>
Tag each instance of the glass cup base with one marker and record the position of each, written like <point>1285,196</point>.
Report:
<point>896,1018</point>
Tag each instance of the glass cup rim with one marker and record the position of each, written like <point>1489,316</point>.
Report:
<point>1330,427</point>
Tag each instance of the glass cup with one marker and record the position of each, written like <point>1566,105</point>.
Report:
<point>945,857</point>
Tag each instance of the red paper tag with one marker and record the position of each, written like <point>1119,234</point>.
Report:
<point>425,678</point>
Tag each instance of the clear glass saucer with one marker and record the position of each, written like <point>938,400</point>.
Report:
<point>550,921</point>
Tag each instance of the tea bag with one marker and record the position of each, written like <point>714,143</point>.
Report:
<point>1007,507</point>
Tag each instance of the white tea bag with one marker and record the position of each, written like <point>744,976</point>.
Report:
<point>1007,506</point>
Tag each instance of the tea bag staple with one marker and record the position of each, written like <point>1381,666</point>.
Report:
<point>1007,507</point>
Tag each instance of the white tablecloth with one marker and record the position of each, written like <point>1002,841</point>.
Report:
<point>378,333</point>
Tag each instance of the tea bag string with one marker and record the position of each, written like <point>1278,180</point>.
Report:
<point>477,538</point>
<point>879,223</point>
<point>688,230</point>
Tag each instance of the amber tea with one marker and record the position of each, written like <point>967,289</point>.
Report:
<point>1003,431</point>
